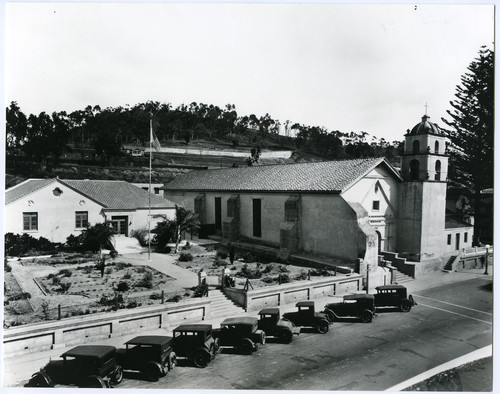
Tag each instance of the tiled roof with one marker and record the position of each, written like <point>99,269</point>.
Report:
<point>27,187</point>
<point>109,194</point>
<point>117,194</point>
<point>329,176</point>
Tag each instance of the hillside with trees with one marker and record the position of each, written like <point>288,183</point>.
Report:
<point>72,144</point>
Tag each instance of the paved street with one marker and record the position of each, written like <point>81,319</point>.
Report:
<point>450,321</point>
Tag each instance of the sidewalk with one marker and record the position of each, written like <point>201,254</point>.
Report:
<point>18,369</point>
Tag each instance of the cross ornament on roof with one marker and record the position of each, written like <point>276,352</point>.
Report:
<point>426,108</point>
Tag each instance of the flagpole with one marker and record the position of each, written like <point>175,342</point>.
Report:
<point>149,194</point>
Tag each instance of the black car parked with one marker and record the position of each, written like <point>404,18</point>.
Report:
<point>358,306</point>
<point>196,343</point>
<point>307,317</point>
<point>92,366</point>
<point>273,326</point>
<point>153,355</point>
<point>394,296</point>
<point>241,333</point>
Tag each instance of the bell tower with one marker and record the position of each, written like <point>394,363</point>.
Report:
<point>422,204</point>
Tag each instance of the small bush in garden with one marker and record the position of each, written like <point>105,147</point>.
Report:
<point>233,268</point>
<point>113,254</point>
<point>132,304</point>
<point>120,265</point>
<point>222,254</point>
<point>246,272</point>
<point>122,286</point>
<point>187,246</point>
<point>284,278</point>
<point>87,269</point>
<point>175,298</point>
<point>127,275</point>
<point>155,296</point>
<point>65,286</point>
<point>108,271</point>
<point>65,273</point>
<point>248,258</point>
<point>320,272</point>
<point>219,263</point>
<point>302,275</point>
<point>185,256</point>
<point>7,267</point>
<point>19,296</point>
<point>283,269</point>
<point>141,269</point>
<point>146,281</point>
<point>56,280</point>
<point>268,279</point>
<point>268,268</point>
<point>141,235</point>
<point>50,276</point>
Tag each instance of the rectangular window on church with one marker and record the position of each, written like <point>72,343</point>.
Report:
<point>466,237</point>
<point>449,239</point>
<point>376,205</point>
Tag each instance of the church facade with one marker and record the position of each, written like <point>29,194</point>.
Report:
<point>350,210</point>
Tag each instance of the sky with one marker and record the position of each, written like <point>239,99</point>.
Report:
<point>370,68</point>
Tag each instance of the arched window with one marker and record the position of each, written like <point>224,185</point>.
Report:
<point>437,167</point>
<point>416,146</point>
<point>436,147</point>
<point>414,170</point>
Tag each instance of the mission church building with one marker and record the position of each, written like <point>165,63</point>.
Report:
<point>349,210</point>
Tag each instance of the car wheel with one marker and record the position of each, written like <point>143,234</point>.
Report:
<point>39,379</point>
<point>201,358</point>
<point>117,376</point>
<point>262,338</point>
<point>286,336</point>
<point>366,317</point>
<point>152,371</point>
<point>246,346</point>
<point>95,382</point>
<point>405,306</point>
<point>322,327</point>
<point>330,316</point>
<point>172,361</point>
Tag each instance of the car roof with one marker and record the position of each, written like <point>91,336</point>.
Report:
<point>359,297</point>
<point>304,303</point>
<point>99,351</point>
<point>270,311</point>
<point>239,320</point>
<point>149,340</point>
<point>194,327</point>
<point>390,287</point>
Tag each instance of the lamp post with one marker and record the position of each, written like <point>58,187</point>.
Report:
<point>367,278</point>
<point>486,258</point>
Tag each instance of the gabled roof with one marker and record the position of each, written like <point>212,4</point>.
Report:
<point>328,176</point>
<point>23,189</point>
<point>109,194</point>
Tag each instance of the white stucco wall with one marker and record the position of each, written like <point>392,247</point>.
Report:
<point>56,214</point>
<point>452,247</point>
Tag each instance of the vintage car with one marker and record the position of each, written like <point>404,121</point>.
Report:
<point>92,366</point>
<point>307,317</point>
<point>273,326</point>
<point>153,355</point>
<point>358,306</point>
<point>241,333</point>
<point>196,343</point>
<point>393,296</point>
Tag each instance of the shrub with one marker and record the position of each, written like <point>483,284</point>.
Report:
<point>19,296</point>
<point>284,278</point>
<point>19,245</point>
<point>164,232</point>
<point>301,276</point>
<point>73,243</point>
<point>185,256</point>
<point>141,235</point>
<point>246,272</point>
<point>146,281</point>
<point>141,269</point>
<point>268,279</point>
<point>132,304</point>
<point>56,280</point>
<point>268,268</point>
<point>155,296</point>
<point>110,300</point>
<point>87,269</point>
<point>122,286</point>
<point>222,254</point>
<point>6,266</point>
<point>50,276</point>
<point>127,275</point>
<point>219,263</point>
<point>65,273</point>
<point>120,266</point>
<point>187,246</point>
<point>283,269</point>
<point>175,298</point>
<point>108,271</point>
<point>65,286</point>
<point>320,272</point>
<point>248,258</point>
<point>113,254</point>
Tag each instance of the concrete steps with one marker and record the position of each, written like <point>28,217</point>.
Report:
<point>400,278</point>
<point>221,306</point>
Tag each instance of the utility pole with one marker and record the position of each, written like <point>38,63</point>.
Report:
<point>486,258</point>
<point>367,278</point>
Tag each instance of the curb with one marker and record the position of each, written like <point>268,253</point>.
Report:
<point>486,351</point>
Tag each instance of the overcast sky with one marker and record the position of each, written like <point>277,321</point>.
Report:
<point>355,68</point>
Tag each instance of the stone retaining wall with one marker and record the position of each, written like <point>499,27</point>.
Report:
<point>76,330</point>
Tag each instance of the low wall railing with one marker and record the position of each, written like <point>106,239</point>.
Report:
<point>81,329</point>
<point>254,299</point>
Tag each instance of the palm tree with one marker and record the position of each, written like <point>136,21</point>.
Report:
<point>184,220</point>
